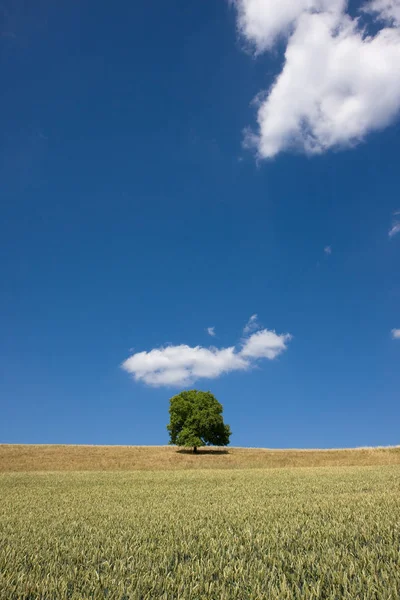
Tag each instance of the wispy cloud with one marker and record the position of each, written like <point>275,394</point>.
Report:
<point>328,250</point>
<point>251,325</point>
<point>395,228</point>
<point>387,10</point>
<point>337,82</point>
<point>211,331</point>
<point>182,365</point>
<point>395,334</point>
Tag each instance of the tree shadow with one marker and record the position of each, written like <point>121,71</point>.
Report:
<point>202,451</point>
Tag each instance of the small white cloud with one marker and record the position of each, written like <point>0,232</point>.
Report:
<point>396,334</point>
<point>251,325</point>
<point>328,250</point>
<point>336,84</point>
<point>265,344</point>
<point>182,365</point>
<point>211,331</point>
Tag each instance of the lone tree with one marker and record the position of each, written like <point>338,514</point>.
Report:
<point>196,420</point>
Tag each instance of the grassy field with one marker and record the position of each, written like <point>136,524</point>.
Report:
<point>194,534</point>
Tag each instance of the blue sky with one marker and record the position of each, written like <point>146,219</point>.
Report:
<point>142,203</point>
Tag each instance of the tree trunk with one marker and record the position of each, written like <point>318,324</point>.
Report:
<point>195,449</point>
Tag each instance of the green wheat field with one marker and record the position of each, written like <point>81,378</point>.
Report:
<point>287,533</point>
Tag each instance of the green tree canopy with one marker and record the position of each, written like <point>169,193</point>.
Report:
<point>196,420</point>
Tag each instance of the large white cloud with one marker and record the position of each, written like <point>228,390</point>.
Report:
<point>337,83</point>
<point>179,365</point>
<point>182,365</point>
<point>396,334</point>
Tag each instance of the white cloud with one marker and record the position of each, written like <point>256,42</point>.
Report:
<point>265,344</point>
<point>328,250</point>
<point>385,10</point>
<point>251,325</point>
<point>396,334</point>
<point>182,365</point>
<point>263,21</point>
<point>211,331</point>
<point>337,83</point>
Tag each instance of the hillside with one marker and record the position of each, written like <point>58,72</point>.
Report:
<point>20,457</point>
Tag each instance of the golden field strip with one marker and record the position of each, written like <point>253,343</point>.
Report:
<point>126,458</point>
<point>120,523</point>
